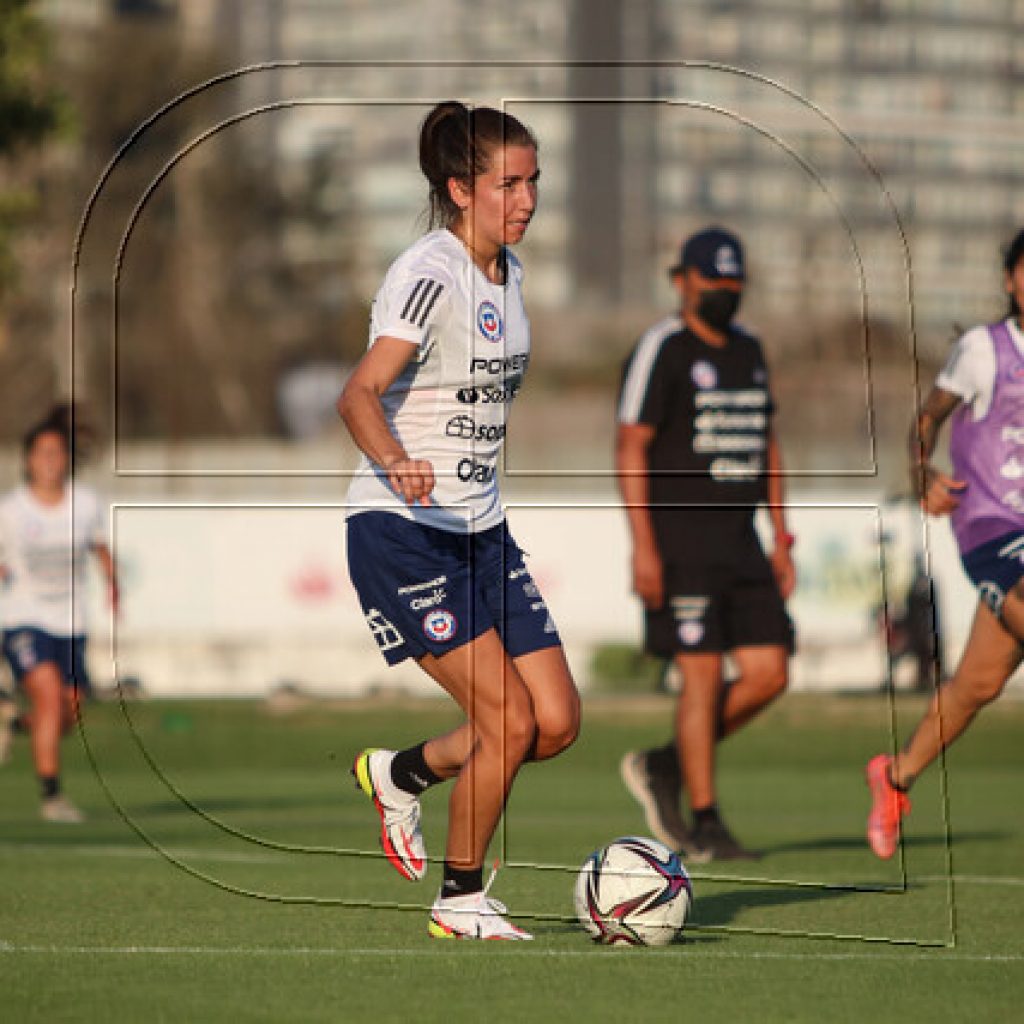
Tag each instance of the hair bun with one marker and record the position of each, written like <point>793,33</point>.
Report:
<point>445,129</point>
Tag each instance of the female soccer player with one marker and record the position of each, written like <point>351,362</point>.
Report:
<point>982,386</point>
<point>438,575</point>
<point>47,525</point>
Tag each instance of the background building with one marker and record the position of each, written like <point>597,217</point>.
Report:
<point>848,142</point>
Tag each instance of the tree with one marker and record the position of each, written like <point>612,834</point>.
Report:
<point>31,111</point>
<point>212,306</point>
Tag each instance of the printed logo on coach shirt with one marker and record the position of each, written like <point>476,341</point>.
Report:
<point>439,625</point>
<point>488,319</point>
<point>704,375</point>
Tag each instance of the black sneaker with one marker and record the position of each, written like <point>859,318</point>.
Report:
<point>718,843</point>
<point>658,795</point>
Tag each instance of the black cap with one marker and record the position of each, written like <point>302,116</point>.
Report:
<point>715,252</point>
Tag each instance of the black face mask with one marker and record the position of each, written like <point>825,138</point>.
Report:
<point>717,307</point>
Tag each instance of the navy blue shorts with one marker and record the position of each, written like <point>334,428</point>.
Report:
<point>25,647</point>
<point>429,591</point>
<point>995,567</point>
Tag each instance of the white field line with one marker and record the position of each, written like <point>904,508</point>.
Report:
<point>938,955</point>
<point>139,851</point>
<point>970,879</point>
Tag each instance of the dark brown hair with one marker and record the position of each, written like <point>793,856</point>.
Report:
<point>63,421</point>
<point>1014,254</point>
<point>458,142</point>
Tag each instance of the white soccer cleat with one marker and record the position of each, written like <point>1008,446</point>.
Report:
<point>476,916</point>
<point>400,835</point>
<point>61,810</point>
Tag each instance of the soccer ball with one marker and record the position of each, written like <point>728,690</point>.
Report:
<point>633,891</point>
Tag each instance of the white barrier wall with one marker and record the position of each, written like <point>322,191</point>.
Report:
<point>238,599</point>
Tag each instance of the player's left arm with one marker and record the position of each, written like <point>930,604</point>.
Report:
<point>106,561</point>
<point>938,492</point>
<point>782,549</point>
<point>5,572</point>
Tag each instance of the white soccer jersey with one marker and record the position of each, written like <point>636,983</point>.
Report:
<point>450,404</point>
<point>43,549</point>
<point>970,371</point>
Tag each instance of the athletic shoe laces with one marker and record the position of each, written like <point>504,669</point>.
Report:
<point>495,906</point>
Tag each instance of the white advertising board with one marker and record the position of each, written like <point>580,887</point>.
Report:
<point>239,599</point>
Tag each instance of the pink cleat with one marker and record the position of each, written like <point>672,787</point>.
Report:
<point>888,806</point>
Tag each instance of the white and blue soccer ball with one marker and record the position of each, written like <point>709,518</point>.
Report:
<point>634,891</point>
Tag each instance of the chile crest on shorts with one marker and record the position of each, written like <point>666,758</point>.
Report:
<point>439,625</point>
<point>488,319</point>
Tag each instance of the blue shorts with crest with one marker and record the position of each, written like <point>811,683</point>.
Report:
<point>429,591</point>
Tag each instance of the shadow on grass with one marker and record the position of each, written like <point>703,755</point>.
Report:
<point>858,842</point>
<point>718,909</point>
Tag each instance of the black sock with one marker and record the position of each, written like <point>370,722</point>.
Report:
<point>50,785</point>
<point>411,773</point>
<point>459,882</point>
<point>893,783</point>
<point>664,761</point>
<point>18,726</point>
<point>705,815</point>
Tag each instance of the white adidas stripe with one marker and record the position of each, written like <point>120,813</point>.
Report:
<point>638,377</point>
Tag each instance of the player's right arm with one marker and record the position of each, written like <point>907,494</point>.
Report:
<point>939,493</point>
<point>632,470</point>
<point>360,408</point>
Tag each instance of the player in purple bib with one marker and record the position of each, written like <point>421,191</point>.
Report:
<point>982,388</point>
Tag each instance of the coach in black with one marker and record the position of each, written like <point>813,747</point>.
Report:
<point>695,455</point>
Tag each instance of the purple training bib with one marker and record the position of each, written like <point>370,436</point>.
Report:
<point>988,453</point>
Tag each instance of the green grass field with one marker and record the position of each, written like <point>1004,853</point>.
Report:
<point>273,904</point>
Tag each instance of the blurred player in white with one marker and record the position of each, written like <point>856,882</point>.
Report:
<point>438,575</point>
<point>48,525</point>
<point>982,387</point>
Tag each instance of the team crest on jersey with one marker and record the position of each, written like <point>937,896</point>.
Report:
<point>488,319</point>
<point>439,625</point>
<point>1017,372</point>
<point>704,375</point>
